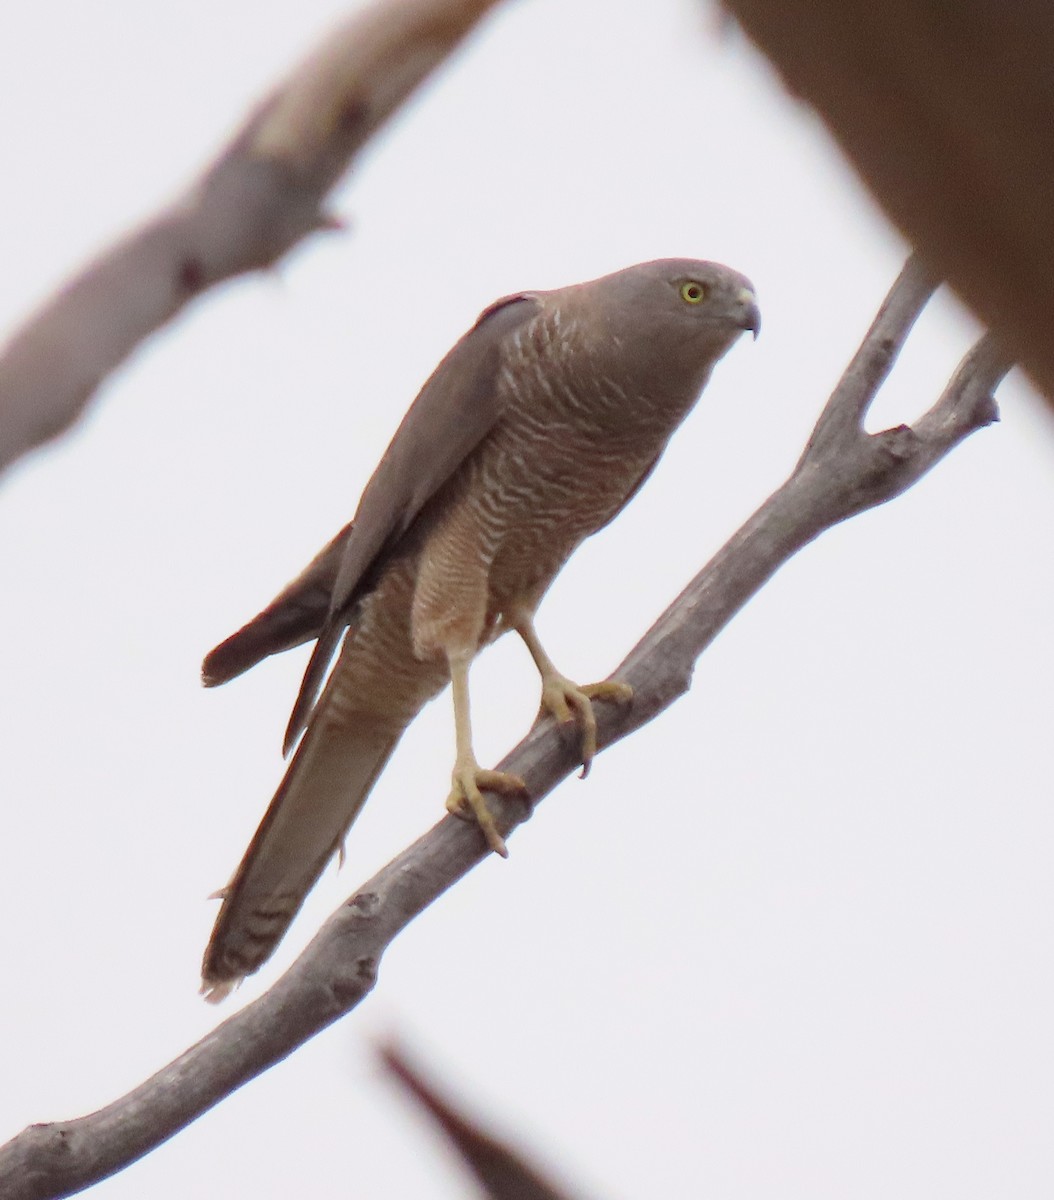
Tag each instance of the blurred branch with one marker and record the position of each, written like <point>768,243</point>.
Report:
<point>843,471</point>
<point>255,202</point>
<point>947,112</point>
<point>501,1172</point>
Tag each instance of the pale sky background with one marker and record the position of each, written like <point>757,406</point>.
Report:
<point>795,939</point>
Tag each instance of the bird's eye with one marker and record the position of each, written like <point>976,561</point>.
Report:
<point>693,292</point>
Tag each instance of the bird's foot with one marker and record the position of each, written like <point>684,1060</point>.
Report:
<point>466,800</point>
<point>568,702</point>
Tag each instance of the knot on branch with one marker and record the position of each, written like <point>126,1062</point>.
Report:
<point>894,447</point>
<point>349,987</point>
<point>985,411</point>
<point>887,454</point>
<point>364,904</point>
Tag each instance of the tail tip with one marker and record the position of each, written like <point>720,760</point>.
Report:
<point>213,670</point>
<point>215,991</point>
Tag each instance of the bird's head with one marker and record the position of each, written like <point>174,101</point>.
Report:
<point>674,316</point>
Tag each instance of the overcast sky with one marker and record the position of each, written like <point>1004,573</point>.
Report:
<point>792,940</point>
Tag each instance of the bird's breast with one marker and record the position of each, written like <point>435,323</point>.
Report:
<point>550,475</point>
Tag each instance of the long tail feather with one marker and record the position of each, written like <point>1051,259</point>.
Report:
<point>323,790</point>
<point>318,664</point>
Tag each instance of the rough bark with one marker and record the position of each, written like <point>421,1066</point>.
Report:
<point>261,196</point>
<point>843,471</point>
<point>946,111</point>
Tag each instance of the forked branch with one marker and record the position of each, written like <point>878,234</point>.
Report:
<point>843,471</point>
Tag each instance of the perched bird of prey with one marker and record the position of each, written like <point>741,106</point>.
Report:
<point>533,433</point>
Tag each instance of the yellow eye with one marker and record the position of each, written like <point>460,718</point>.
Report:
<point>693,292</point>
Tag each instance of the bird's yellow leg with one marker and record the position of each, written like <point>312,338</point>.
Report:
<point>566,700</point>
<point>466,799</point>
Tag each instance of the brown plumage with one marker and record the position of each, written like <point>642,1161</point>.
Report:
<point>532,433</point>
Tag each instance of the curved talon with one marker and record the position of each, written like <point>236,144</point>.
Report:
<point>466,800</point>
<point>568,702</point>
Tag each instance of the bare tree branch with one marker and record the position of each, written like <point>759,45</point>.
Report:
<point>947,112</point>
<point>843,471</point>
<point>256,201</point>
<point>502,1173</point>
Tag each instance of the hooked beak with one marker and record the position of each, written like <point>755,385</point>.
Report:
<point>749,313</point>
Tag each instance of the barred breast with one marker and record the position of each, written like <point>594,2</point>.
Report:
<point>570,450</point>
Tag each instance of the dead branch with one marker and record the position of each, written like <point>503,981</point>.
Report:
<point>501,1172</point>
<point>843,471</point>
<point>946,111</point>
<point>260,197</point>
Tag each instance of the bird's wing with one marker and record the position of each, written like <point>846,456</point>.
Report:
<point>457,407</point>
<point>296,615</point>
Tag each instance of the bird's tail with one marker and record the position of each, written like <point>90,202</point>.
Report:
<point>324,788</point>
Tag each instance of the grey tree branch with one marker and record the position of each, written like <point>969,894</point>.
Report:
<point>255,202</point>
<point>947,113</point>
<point>843,471</point>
